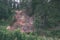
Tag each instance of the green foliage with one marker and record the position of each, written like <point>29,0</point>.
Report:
<point>55,33</point>
<point>53,15</point>
<point>17,35</point>
<point>5,10</point>
<point>49,13</point>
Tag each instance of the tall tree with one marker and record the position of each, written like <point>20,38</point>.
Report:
<point>5,10</point>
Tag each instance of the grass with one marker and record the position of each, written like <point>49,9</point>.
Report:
<point>51,35</point>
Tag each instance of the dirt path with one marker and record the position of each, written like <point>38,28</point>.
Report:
<point>55,28</point>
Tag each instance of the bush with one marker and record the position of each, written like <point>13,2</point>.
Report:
<point>13,35</point>
<point>17,35</point>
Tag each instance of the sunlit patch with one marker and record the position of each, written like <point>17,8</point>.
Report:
<point>17,1</point>
<point>8,27</point>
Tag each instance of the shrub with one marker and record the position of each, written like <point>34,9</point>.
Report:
<point>17,35</point>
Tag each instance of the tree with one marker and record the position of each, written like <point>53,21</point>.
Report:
<point>5,10</point>
<point>46,13</point>
<point>54,18</point>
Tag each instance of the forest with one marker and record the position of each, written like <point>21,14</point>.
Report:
<point>29,20</point>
